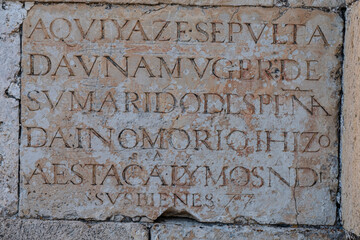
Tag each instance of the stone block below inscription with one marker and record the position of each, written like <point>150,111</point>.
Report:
<point>201,232</point>
<point>22,229</point>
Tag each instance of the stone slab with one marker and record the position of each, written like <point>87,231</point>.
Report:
<point>197,231</point>
<point>31,229</point>
<point>350,128</point>
<point>218,114</point>
<point>11,15</point>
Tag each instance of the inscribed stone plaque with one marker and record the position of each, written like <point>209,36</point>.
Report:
<point>220,114</point>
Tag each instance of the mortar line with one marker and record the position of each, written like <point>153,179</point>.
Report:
<point>340,122</point>
<point>19,112</point>
<point>101,3</point>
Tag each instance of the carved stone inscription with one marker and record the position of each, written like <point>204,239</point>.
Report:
<point>219,114</point>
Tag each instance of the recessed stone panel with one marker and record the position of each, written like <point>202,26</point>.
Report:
<point>219,114</point>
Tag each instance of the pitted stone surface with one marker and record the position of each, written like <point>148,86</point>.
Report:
<point>199,232</point>
<point>11,16</point>
<point>218,114</point>
<point>21,229</point>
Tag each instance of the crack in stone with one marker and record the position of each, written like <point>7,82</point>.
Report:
<point>296,207</point>
<point>235,12</point>
<point>155,9</point>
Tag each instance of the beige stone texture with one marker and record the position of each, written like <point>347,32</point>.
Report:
<point>201,232</point>
<point>31,229</point>
<point>350,128</point>
<point>11,16</point>
<point>217,114</point>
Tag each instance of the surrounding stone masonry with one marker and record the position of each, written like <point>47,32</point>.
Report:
<point>67,230</point>
<point>197,231</point>
<point>16,229</point>
<point>125,116</point>
<point>350,126</point>
<point>11,17</point>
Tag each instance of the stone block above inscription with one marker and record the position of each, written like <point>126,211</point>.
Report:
<point>214,3</point>
<point>219,114</point>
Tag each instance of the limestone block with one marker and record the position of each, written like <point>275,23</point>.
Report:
<point>350,128</point>
<point>219,114</point>
<point>199,232</point>
<point>23,229</point>
<point>11,16</point>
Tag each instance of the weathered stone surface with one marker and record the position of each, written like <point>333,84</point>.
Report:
<point>10,228</point>
<point>17,229</point>
<point>197,231</point>
<point>220,114</point>
<point>11,16</point>
<point>350,128</point>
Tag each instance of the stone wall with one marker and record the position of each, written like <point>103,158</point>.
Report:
<point>349,127</point>
<point>309,188</point>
